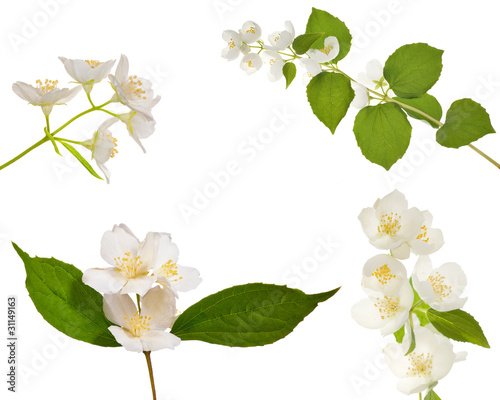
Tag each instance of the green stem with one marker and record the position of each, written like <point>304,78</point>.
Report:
<point>69,141</point>
<point>420,396</point>
<point>90,100</point>
<point>496,164</point>
<point>49,136</point>
<point>150,369</point>
<point>138,302</point>
<point>46,138</point>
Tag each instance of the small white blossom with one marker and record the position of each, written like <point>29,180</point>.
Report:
<point>384,274</point>
<point>430,361</point>
<point>87,72</point>
<point>360,95</point>
<point>250,32</point>
<point>328,52</point>
<point>275,63</point>
<point>251,63</point>
<point>144,330</point>
<point>138,126</point>
<point>441,287</point>
<point>234,45</point>
<point>45,94</point>
<point>280,40</point>
<point>312,69</point>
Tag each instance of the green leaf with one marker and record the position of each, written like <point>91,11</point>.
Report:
<point>80,158</point>
<point>428,104</point>
<point>400,334</point>
<point>413,342</point>
<point>289,70</point>
<point>458,325</point>
<point>321,21</point>
<point>413,69</point>
<point>254,314</point>
<point>304,42</point>
<point>65,302</point>
<point>466,122</point>
<point>330,95</point>
<point>383,133</point>
<point>421,310</point>
<point>432,396</point>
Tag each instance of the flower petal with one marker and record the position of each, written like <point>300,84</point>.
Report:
<point>159,304</point>
<point>126,339</point>
<point>105,280</point>
<point>117,307</point>
<point>157,340</point>
<point>140,285</point>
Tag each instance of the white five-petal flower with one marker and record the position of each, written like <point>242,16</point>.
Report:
<point>312,69</point>
<point>131,261</point>
<point>280,40</point>
<point>384,274</point>
<point>328,52</point>
<point>251,63</point>
<point>144,330</point>
<point>387,312</point>
<point>138,126</point>
<point>441,287</point>
<point>46,94</point>
<point>389,223</point>
<point>87,72</point>
<point>430,361</point>
<point>275,63</point>
<point>134,92</point>
<point>250,32</point>
<point>103,146</point>
<point>166,270</point>
<point>234,45</point>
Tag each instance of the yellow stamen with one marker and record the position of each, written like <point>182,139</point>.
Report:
<point>231,44</point>
<point>383,274</point>
<point>423,234</point>
<point>251,30</point>
<point>127,265</point>
<point>93,63</point>
<point>326,49</point>
<point>138,324</point>
<point>388,306</point>
<point>440,289</point>
<point>421,364</point>
<point>170,271</point>
<point>134,87</point>
<point>46,86</point>
<point>390,224</point>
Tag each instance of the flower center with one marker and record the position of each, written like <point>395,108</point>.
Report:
<point>423,234</point>
<point>127,265</point>
<point>388,306</point>
<point>134,87</point>
<point>420,365</point>
<point>231,44</point>
<point>115,143</point>
<point>47,86</point>
<point>93,63</point>
<point>440,289</point>
<point>249,63</point>
<point>277,37</point>
<point>251,29</point>
<point>170,270</point>
<point>383,274</point>
<point>138,324</point>
<point>272,61</point>
<point>326,49</point>
<point>390,224</point>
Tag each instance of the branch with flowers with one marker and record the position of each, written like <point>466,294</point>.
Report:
<point>137,307</point>
<point>423,312</point>
<point>129,90</point>
<point>399,88</point>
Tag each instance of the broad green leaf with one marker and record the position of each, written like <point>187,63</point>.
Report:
<point>383,133</point>
<point>330,95</point>
<point>254,314</point>
<point>304,42</point>
<point>400,334</point>
<point>413,69</point>
<point>458,325</point>
<point>64,301</point>
<point>413,343</point>
<point>466,122</point>
<point>321,21</point>
<point>432,396</point>
<point>428,104</point>
<point>80,158</point>
<point>289,70</point>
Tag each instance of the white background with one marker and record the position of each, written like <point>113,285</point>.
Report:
<point>303,186</point>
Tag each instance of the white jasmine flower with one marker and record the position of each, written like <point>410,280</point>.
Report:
<point>389,223</point>
<point>250,32</point>
<point>134,92</point>
<point>275,63</point>
<point>384,274</point>
<point>430,361</point>
<point>312,69</point>
<point>360,95</point>
<point>87,72</point>
<point>280,40</point>
<point>251,63</point>
<point>103,146</point>
<point>167,271</point>
<point>387,312</point>
<point>427,241</point>
<point>441,287</point>
<point>328,52</point>
<point>144,330</point>
<point>46,94</point>
<point>138,126</point>
<point>234,45</point>
<point>374,70</point>
<point>131,261</point>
